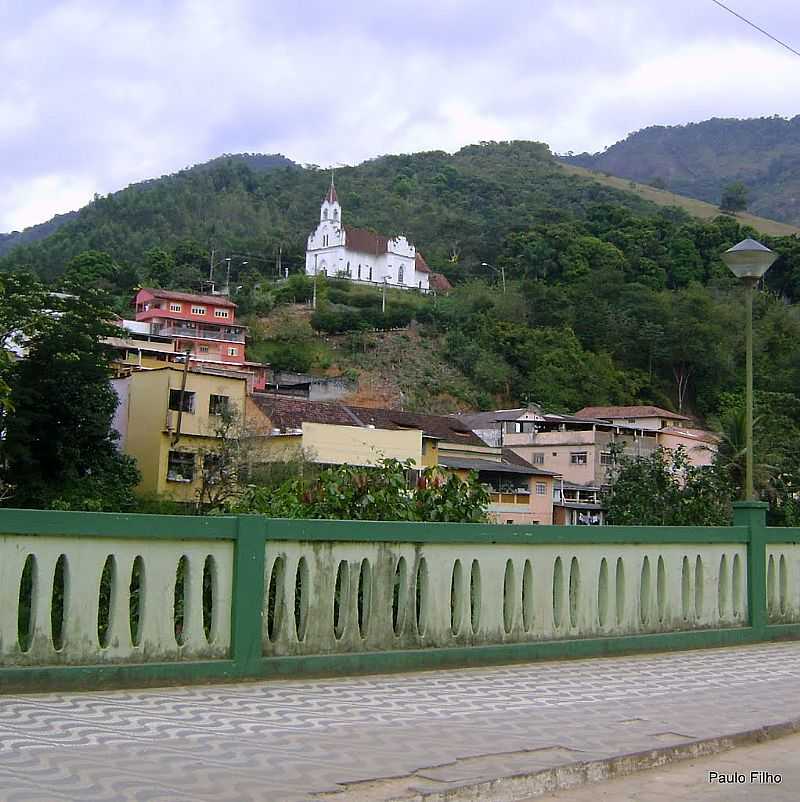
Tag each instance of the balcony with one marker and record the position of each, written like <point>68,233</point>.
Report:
<point>201,334</point>
<point>518,497</point>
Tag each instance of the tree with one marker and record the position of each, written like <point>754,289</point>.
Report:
<point>379,493</point>
<point>226,464</point>
<point>664,489</point>
<point>734,197</point>
<point>60,450</point>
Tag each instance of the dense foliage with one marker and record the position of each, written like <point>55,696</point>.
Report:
<point>700,159</point>
<point>664,489</point>
<point>59,450</point>
<point>381,493</point>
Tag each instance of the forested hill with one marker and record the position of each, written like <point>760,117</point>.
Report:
<point>257,162</point>
<point>699,159</point>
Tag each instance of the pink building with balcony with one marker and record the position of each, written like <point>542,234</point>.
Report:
<point>203,324</point>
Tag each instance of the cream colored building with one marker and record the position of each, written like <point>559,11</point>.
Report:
<point>169,427</point>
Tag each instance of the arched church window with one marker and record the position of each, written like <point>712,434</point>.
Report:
<point>359,271</point>
<point>324,214</point>
<point>400,274</point>
<point>348,269</point>
<point>335,214</point>
<point>370,272</point>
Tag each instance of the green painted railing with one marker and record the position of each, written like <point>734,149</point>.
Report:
<point>92,599</point>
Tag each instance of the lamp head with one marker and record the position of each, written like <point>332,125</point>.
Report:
<point>749,259</point>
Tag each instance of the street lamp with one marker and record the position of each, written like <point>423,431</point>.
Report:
<point>748,261</point>
<point>501,271</point>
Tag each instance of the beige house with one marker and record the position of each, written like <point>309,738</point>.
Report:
<point>336,434</point>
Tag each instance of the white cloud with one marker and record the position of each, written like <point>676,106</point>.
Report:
<point>101,94</point>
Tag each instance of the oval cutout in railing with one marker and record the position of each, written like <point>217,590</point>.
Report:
<point>341,595</point>
<point>457,598</point>
<point>364,597</point>
<point>783,582</point>
<point>301,593</point>
<point>723,591</point>
<point>209,598</point>
<point>661,589</point>
<point>137,600</point>
<point>574,591</point>
<point>558,593</point>
<point>619,589</point>
<point>105,601</point>
<point>179,604</point>
<point>276,592</point>
<point>699,586</point>
<point>736,594</point>
<point>26,609</point>
<point>509,597</point>
<point>399,595</point>
<point>475,596</point>
<point>602,594</point>
<point>771,592</point>
<point>528,600</point>
<point>644,593</point>
<point>59,601</point>
<point>686,588</point>
<point>421,596</point>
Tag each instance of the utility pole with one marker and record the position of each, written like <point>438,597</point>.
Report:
<point>177,435</point>
<point>211,268</point>
<point>278,263</point>
<point>383,299</point>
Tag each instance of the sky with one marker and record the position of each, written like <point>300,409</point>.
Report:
<point>98,94</point>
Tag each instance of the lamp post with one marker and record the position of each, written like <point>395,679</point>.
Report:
<point>748,261</point>
<point>501,271</point>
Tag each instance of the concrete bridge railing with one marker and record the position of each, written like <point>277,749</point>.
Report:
<point>90,599</point>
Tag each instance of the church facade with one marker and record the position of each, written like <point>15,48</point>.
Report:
<point>360,255</point>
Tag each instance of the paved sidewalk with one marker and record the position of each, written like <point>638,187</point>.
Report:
<point>777,779</point>
<point>287,741</point>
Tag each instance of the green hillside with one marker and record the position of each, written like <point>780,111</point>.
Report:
<point>699,159</point>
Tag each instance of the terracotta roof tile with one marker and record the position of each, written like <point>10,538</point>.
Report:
<point>420,264</point>
<point>628,412</point>
<point>365,241</point>
<point>171,295</point>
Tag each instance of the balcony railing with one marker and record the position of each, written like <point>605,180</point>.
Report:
<point>201,334</point>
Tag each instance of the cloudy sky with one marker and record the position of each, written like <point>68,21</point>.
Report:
<point>96,94</point>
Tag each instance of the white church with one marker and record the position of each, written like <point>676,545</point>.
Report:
<point>362,256</point>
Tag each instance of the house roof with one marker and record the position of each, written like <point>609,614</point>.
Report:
<point>694,434</point>
<point>421,266</point>
<point>440,283</point>
<point>170,295</point>
<point>496,467</point>
<point>291,413</point>
<point>484,420</point>
<point>628,412</point>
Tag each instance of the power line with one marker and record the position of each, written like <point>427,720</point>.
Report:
<point>753,25</point>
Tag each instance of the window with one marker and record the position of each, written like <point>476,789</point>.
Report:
<point>324,214</point>
<point>541,489</point>
<point>175,401</point>
<point>359,271</point>
<point>348,269</point>
<point>221,313</point>
<point>203,349</point>
<point>218,404</point>
<point>578,457</point>
<point>335,214</point>
<point>233,351</point>
<point>400,274</point>
<point>537,458</point>
<point>180,466</point>
<point>175,307</point>
<point>606,458</point>
<point>370,273</point>
<point>198,310</point>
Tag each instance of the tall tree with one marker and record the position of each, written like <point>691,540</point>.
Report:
<point>60,448</point>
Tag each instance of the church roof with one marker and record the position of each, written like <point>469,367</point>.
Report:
<point>365,241</point>
<point>420,265</point>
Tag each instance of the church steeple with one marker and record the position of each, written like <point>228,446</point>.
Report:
<point>330,209</point>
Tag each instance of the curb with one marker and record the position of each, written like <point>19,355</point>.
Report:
<point>524,785</point>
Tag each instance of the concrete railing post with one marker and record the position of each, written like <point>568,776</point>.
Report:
<point>247,602</point>
<point>753,515</point>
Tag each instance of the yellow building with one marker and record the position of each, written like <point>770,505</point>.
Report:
<point>164,424</point>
